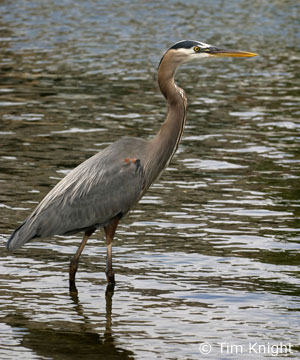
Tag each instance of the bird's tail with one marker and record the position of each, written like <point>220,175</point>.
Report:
<point>24,233</point>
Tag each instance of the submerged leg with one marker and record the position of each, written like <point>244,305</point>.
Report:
<point>109,233</point>
<point>74,261</point>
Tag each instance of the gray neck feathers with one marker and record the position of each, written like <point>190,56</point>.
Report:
<point>163,146</point>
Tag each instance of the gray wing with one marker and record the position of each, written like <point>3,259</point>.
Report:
<point>105,185</point>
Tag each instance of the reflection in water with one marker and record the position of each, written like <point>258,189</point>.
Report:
<point>67,341</point>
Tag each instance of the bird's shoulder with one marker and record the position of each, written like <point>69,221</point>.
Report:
<point>124,147</point>
<point>115,158</point>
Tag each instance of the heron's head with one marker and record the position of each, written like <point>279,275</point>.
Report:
<point>189,50</point>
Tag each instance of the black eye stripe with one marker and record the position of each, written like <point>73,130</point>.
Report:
<point>190,44</point>
<point>184,44</point>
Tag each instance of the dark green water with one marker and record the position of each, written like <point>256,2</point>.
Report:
<point>211,254</point>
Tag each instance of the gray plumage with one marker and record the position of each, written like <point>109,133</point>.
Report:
<point>83,200</point>
<point>101,190</point>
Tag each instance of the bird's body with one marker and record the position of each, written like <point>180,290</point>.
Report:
<point>82,200</point>
<point>102,189</point>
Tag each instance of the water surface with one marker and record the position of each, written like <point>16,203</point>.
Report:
<point>211,253</point>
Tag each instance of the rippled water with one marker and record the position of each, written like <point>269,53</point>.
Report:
<point>211,254</point>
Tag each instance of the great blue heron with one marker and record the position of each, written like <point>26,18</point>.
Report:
<point>102,189</point>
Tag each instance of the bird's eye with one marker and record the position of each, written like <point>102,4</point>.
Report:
<point>196,48</point>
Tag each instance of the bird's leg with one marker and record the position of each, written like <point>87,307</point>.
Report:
<point>109,233</point>
<point>74,261</point>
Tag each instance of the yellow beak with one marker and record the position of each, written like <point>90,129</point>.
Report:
<point>216,52</point>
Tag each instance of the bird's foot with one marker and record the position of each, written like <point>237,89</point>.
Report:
<point>72,287</point>
<point>110,278</point>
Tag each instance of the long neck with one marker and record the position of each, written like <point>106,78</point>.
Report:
<point>165,143</point>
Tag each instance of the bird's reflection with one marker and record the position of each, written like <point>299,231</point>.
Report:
<point>108,300</point>
<point>67,343</point>
<point>110,288</point>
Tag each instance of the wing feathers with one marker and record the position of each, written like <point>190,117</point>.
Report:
<point>89,196</point>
